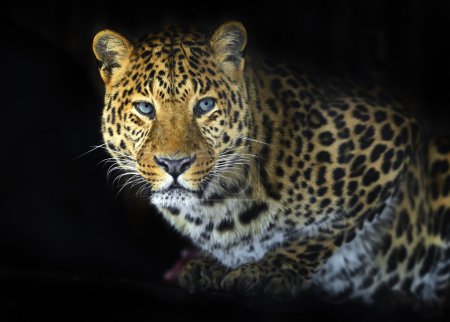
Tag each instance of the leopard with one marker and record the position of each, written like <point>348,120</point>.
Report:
<point>287,181</point>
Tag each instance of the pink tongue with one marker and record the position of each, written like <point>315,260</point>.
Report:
<point>173,273</point>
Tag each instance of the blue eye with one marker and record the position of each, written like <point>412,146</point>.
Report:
<point>204,106</point>
<point>145,108</point>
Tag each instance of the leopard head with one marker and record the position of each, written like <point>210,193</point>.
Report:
<point>176,114</point>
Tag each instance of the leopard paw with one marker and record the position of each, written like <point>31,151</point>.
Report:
<point>252,279</point>
<point>202,274</point>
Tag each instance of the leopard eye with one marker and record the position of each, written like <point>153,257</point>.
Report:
<point>204,106</point>
<point>145,108</point>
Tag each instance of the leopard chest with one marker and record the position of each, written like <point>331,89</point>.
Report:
<point>235,232</point>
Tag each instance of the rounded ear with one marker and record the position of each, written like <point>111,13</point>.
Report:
<point>111,50</point>
<point>228,43</point>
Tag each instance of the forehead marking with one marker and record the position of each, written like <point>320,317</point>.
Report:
<point>173,64</point>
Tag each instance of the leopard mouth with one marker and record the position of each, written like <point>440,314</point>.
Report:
<point>176,189</point>
<point>178,192</point>
<point>176,185</point>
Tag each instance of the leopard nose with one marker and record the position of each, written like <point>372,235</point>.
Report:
<point>175,167</point>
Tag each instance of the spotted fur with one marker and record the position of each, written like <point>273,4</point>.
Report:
<point>299,182</point>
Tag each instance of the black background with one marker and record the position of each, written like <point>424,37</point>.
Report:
<point>62,221</point>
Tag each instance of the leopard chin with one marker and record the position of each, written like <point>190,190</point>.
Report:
<point>174,197</point>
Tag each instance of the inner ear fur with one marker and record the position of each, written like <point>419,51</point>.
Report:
<point>112,51</point>
<point>228,43</point>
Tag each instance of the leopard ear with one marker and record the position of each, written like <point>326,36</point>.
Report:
<point>111,50</point>
<point>228,43</point>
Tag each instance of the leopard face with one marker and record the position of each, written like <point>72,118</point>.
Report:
<point>174,116</point>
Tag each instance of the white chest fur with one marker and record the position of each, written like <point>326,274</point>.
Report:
<point>234,247</point>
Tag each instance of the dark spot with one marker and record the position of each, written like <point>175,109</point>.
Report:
<point>392,261</point>
<point>402,138</point>
<point>373,194</point>
<point>326,138</point>
<point>357,167</point>
<point>322,191</point>
<point>252,213</point>
<point>316,119</point>
<point>345,152</point>
<point>351,187</point>
<point>406,284</point>
<point>344,133</point>
<point>325,203</point>
<point>401,255</point>
<point>209,227</point>
<point>416,256</point>
<point>367,282</point>
<point>323,156</point>
<point>360,116</point>
<point>321,176</point>
<point>174,211</point>
<point>387,242</point>
<point>279,171</point>
<point>440,166</point>
<point>338,174</point>
<point>338,241</point>
<point>225,225</point>
<point>337,187</point>
<point>380,116</point>
<point>367,138</point>
<point>429,260</point>
<point>402,223</point>
<point>377,151</point>
<point>359,128</point>
<point>273,106</point>
<point>293,178</point>
<point>398,119</point>
<point>370,176</point>
<point>350,236</point>
<point>387,133</point>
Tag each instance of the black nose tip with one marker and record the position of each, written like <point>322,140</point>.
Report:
<point>175,167</point>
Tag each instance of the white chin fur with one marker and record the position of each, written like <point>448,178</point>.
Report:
<point>174,198</point>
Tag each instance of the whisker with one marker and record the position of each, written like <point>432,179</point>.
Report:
<point>121,188</point>
<point>252,140</point>
<point>93,148</point>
